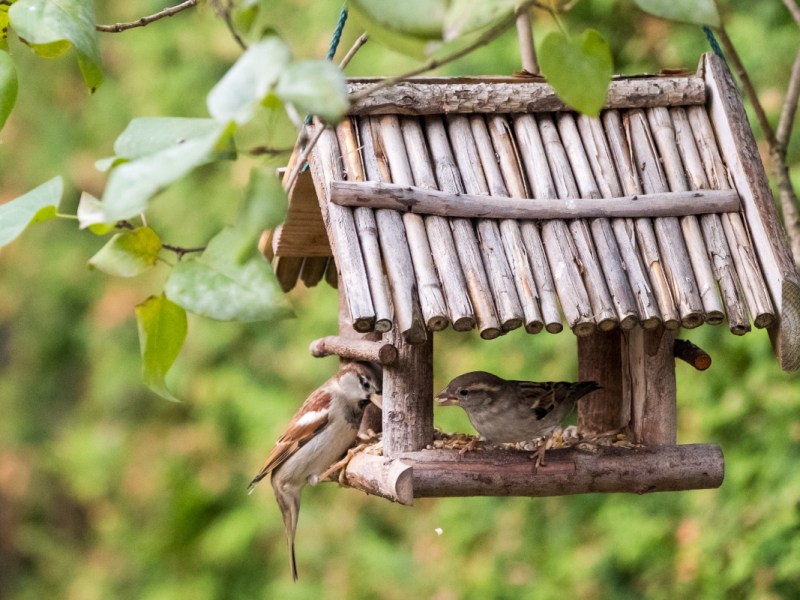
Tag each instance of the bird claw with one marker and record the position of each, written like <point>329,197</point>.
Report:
<point>341,465</point>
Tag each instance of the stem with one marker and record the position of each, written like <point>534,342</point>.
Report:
<point>362,39</point>
<point>181,251</point>
<point>291,178</point>
<point>794,9</point>
<point>167,12</point>
<point>789,108</point>
<point>66,216</point>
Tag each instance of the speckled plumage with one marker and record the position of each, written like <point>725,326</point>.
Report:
<point>505,411</point>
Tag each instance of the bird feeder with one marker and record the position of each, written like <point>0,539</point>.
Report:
<point>486,203</point>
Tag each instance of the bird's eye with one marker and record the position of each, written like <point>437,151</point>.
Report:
<point>463,392</point>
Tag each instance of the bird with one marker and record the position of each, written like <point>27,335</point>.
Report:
<point>504,411</point>
<point>321,431</point>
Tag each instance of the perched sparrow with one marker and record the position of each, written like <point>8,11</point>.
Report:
<point>513,411</point>
<point>319,434</point>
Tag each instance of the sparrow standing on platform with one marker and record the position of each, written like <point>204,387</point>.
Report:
<point>513,411</point>
<point>319,434</point>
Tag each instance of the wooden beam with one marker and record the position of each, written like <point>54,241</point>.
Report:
<point>426,96</point>
<point>356,349</point>
<point>599,469</point>
<point>407,198</point>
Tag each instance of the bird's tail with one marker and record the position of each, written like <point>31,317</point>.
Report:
<point>289,503</point>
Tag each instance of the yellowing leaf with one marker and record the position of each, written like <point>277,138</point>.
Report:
<point>37,205</point>
<point>128,254</point>
<point>162,331</point>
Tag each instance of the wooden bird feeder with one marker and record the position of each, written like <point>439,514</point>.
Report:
<point>488,204</point>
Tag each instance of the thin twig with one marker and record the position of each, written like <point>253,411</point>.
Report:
<point>744,77</point>
<point>267,150</point>
<point>226,16</point>
<point>167,12</point>
<point>794,9</point>
<point>360,41</point>
<point>489,36</point>
<point>299,164</point>
<point>527,49</point>
<point>789,108</point>
<point>180,251</point>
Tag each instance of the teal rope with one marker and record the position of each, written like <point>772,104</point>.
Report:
<point>712,41</point>
<point>337,33</point>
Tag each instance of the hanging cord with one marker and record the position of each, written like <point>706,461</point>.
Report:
<point>335,39</point>
<point>712,41</point>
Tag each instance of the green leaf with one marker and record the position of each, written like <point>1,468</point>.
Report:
<point>315,87</point>
<point>133,183</point>
<point>128,254</point>
<point>241,90</point>
<point>579,68</point>
<point>148,135</point>
<point>8,86</point>
<point>421,19</point>
<point>90,209</point>
<point>217,285</point>
<point>409,45</point>
<point>696,12</point>
<point>162,330</point>
<point>264,207</point>
<point>39,204</point>
<point>466,16</point>
<point>4,6</point>
<point>50,27</point>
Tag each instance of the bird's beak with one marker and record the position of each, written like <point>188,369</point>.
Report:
<point>377,400</point>
<point>445,399</point>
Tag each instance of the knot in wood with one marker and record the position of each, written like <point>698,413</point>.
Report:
<point>396,416</point>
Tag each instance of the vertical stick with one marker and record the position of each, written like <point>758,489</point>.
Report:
<point>527,49</point>
<point>407,397</point>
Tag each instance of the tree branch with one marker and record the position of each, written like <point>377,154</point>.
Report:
<point>362,39</point>
<point>167,12</point>
<point>789,108</point>
<point>794,9</point>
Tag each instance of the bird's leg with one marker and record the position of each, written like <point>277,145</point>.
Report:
<point>340,465</point>
<point>544,444</point>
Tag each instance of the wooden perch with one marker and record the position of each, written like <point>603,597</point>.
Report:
<point>357,349</point>
<point>603,469</point>
<point>694,355</point>
<point>412,199</point>
<point>430,95</point>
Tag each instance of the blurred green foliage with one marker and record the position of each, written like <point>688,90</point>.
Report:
<point>107,491</point>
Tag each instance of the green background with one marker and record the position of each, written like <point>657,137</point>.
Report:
<point>107,491</point>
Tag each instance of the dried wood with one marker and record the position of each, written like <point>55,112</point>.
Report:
<point>429,287</point>
<point>332,274</point>
<point>412,199</point>
<point>677,265</point>
<point>600,360</point>
<point>444,473</point>
<point>303,233</point>
<point>501,280</point>
<point>392,237</point>
<point>692,354</point>
<point>426,96</point>
<point>557,240</point>
<point>543,290</point>
<point>713,232</point>
<point>356,349</point>
<point>602,164</point>
<point>510,232</point>
<point>665,135</point>
<point>287,270</point>
<point>753,286</point>
<point>596,286</point>
<point>603,235</point>
<point>649,382</point>
<point>313,270</point>
<point>407,393</point>
<point>642,230</point>
<point>366,226</point>
<point>741,155</point>
<point>326,166</point>
<point>440,235</point>
<point>466,241</point>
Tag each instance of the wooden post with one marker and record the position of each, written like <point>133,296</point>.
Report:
<point>408,397</point>
<point>648,369</point>
<point>600,360</point>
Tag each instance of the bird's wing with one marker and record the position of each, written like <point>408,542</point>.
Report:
<point>311,419</point>
<point>542,396</point>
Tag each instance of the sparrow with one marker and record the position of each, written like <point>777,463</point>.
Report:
<point>319,434</point>
<point>505,411</point>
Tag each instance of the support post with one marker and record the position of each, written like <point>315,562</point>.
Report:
<point>600,360</point>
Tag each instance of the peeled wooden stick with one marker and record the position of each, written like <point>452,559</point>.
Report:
<point>501,279</point>
<point>599,155</point>
<point>713,232</point>
<point>469,252</point>
<point>429,287</point>
<point>392,236</point>
<point>641,228</point>
<point>367,229</point>
<point>663,128</point>
<point>677,265</point>
<point>440,235</point>
<point>357,349</point>
<point>556,237</point>
<point>602,305</point>
<point>694,355</point>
